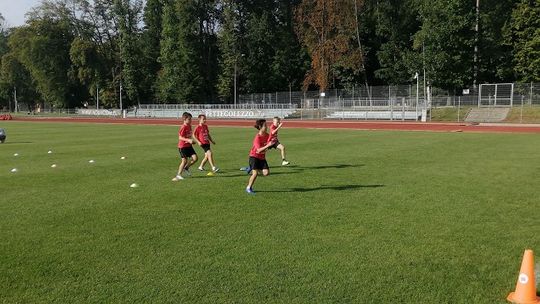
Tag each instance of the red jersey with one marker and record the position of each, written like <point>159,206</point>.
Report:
<point>258,142</point>
<point>185,132</point>
<point>202,134</point>
<point>273,136</point>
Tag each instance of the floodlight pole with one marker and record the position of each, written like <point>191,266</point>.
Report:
<point>235,76</point>
<point>424,89</point>
<point>417,91</point>
<point>120,67</point>
<point>235,63</point>
<point>15,97</point>
<point>476,28</point>
<point>121,96</point>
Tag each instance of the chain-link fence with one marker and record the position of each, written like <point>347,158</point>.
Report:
<point>503,94</point>
<point>403,102</point>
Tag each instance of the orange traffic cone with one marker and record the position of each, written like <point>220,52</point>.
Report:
<point>526,286</point>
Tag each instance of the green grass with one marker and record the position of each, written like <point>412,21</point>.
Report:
<point>447,114</point>
<point>529,114</point>
<point>360,217</point>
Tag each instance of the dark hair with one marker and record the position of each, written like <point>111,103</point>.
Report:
<point>185,115</point>
<point>201,115</point>
<point>259,123</point>
<point>277,117</point>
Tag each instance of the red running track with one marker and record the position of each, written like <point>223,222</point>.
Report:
<point>316,124</point>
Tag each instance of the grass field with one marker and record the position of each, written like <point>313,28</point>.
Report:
<point>360,217</point>
<point>527,114</point>
<point>450,114</point>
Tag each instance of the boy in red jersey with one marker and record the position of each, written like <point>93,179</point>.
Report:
<point>185,147</point>
<point>257,154</point>
<point>274,128</point>
<point>203,138</point>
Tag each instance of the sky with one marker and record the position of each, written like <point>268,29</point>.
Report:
<point>14,10</point>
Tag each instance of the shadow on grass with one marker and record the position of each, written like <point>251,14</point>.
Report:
<point>297,168</point>
<point>321,188</point>
<point>332,166</point>
<point>17,142</point>
<point>284,170</point>
<point>244,174</point>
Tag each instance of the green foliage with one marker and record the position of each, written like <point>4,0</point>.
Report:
<point>87,64</point>
<point>128,14</point>
<point>494,55</point>
<point>43,48</point>
<point>260,51</point>
<point>150,46</point>
<point>523,34</point>
<point>228,41</point>
<point>394,22</point>
<point>258,38</point>
<point>13,75</point>
<point>190,51</point>
<point>447,36</point>
<point>3,37</point>
<point>4,87</point>
<point>290,61</point>
<point>179,78</point>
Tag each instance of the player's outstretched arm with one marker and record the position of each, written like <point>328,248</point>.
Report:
<point>277,129</point>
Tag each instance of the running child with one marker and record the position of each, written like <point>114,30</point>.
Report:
<point>257,154</point>
<point>185,147</point>
<point>274,128</point>
<point>203,138</point>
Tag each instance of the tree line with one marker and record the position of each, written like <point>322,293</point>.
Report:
<point>72,52</point>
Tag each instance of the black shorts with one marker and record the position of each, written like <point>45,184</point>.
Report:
<point>205,147</point>
<point>187,152</point>
<point>257,164</point>
<point>274,146</point>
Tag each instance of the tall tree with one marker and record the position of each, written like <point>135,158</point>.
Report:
<point>523,35</point>
<point>291,61</point>
<point>394,22</point>
<point>4,88</point>
<point>88,66</point>
<point>494,55</point>
<point>43,48</point>
<point>3,36</point>
<point>229,45</point>
<point>188,55</point>
<point>208,49</point>
<point>16,82</point>
<point>95,52</point>
<point>151,39</point>
<point>128,15</point>
<point>329,31</point>
<point>447,37</point>
<point>260,49</point>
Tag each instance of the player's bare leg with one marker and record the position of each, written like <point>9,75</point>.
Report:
<point>210,157</point>
<point>180,169</point>
<point>203,162</point>
<point>189,163</point>
<point>284,161</point>
<point>252,179</point>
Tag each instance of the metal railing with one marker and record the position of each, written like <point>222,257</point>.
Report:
<point>356,102</point>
